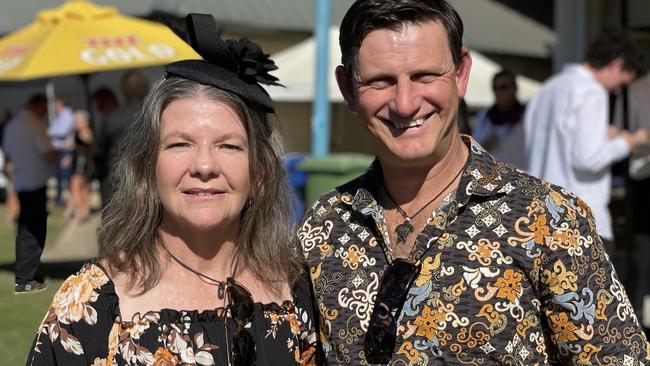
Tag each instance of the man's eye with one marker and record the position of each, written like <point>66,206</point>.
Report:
<point>425,78</point>
<point>379,83</point>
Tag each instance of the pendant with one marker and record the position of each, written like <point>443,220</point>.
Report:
<point>221,290</point>
<point>403,230</point>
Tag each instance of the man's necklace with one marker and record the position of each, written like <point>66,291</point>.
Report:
<point>404,229</point>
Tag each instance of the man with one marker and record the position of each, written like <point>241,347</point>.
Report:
<point>568,141</point>
<point>135,86</point>
<point>439,254</point>
<point>106,102</point>
<point>61,133</point>
<point>29,150</point>
<point>499,129</point>
<point>634,118</point>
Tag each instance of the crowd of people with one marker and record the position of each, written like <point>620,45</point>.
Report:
<point>450,249</point>
<point>70,150</point>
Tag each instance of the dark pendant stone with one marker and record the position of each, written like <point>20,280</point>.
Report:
<point>403,230</point>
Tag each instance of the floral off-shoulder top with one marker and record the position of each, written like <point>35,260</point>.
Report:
<point>83,326</point>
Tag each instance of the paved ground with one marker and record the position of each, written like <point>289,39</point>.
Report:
<point>76,242</point>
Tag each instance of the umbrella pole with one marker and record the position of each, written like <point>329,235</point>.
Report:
<point>49,93</point>
<point>85,78</point>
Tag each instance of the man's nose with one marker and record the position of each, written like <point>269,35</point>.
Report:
<point>406,101</point>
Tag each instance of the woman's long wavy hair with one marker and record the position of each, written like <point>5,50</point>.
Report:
<point>128,233</point>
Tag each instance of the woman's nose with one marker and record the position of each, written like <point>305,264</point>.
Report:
<point>205,163</point>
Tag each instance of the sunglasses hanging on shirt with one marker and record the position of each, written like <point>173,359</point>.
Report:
<point>379,343</point>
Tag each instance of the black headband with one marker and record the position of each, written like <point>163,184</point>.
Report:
<point>235,66</point>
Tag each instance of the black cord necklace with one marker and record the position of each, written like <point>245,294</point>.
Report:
<point>221,284</point>
<point>404,229</point>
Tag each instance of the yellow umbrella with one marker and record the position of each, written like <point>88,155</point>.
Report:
<point>80,37</point>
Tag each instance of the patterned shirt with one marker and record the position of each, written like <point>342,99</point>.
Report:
<point>512,273</point>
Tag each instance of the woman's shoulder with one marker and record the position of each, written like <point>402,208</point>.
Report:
<point>92,274</point>
<point>83,294</point>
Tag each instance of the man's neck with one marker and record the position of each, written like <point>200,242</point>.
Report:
<point>409,185</point>
<point>597,74</point>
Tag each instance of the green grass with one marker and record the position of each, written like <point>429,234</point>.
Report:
<point>20,315</point>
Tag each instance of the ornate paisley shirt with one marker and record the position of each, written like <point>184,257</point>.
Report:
<point>512,273</point>
<point>84,327</point>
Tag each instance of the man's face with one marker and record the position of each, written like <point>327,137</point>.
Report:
<point>406,91</point>
<point>619,78</point>
<point>614,76</point>
<point>505,92</point>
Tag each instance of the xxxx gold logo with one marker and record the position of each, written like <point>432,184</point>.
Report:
<point>11,57</point>
<point>123,50</point>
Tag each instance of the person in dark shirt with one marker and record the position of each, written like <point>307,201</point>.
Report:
<point>135,86</point>
<point>195,262</point>
<point>439,254</point>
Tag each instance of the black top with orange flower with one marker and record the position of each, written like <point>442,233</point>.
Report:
<point>512,273</point>
<point>83,327</point>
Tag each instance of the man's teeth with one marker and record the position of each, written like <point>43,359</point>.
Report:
<point>416,123</point>
<point>203,194</point>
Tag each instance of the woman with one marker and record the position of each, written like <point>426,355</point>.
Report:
<point>195,265</point>
<point>83,168</point>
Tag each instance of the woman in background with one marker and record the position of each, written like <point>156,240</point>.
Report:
<point>83,167</point>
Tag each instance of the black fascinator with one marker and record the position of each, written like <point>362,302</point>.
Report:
<point>238,66</point>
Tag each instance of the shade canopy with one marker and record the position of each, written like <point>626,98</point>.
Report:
<point>296,67</point>
<point>80,37</point>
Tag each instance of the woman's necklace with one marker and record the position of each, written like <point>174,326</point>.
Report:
<point>221,284</point>
<point>404,229</point>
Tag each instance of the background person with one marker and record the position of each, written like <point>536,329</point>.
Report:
<point>62,131</point>
<point>499,129</point>
<point>27,146</point>
<point>83,167</point>
<point>567,136</point>
<point>195,263</point>
<point>105,102</point>
<point>135,86</point>
<point>638,199</point>
<point>439,254</point>
<point>11,198</point>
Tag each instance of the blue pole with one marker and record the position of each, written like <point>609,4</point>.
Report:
<point>320,118</point>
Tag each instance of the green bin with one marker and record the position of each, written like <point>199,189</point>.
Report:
<point>323,174</point>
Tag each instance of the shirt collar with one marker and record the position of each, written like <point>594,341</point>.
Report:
<point>482,176</point>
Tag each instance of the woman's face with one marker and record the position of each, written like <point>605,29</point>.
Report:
<point>202,171</point>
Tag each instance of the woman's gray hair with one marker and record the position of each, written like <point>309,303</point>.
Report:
<point>128,233</point>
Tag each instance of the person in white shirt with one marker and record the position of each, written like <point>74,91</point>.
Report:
<point>28,148</point>
<point>499,129</point>
<point>61,132</point>
<point>567,138</point>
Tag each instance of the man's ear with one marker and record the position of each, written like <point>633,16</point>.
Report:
<point>346,88</point>
<point>462,71</point>
<point>616,64</point>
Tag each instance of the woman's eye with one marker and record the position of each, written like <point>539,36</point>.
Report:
<point>231,147</point>
<point>177,145</point>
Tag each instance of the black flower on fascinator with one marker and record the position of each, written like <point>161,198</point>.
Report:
<point>250,61</point>
<point>238,66</point>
